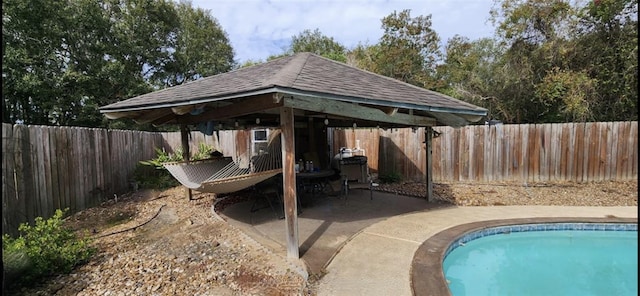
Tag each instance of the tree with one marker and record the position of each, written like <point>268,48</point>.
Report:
<point>316,42</point>
<point>64,59</point>
<point>201,48</point>
<point>607,44</point>
<point>408,50</point>
<point>471,71</point>
<point>569,61</point>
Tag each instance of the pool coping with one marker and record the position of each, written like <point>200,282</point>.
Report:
<point>427,276</point>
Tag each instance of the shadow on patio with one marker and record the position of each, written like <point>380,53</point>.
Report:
<point>325,224</point>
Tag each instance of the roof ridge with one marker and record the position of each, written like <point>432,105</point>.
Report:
<point>288,75</point>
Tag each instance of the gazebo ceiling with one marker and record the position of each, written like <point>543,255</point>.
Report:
<point>314,86</point>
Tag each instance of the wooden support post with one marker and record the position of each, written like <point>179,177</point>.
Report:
<point>428,138</point>
<point>184,134</point>
<point>289,181</point>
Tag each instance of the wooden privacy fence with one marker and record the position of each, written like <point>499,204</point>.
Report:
<point>45,168</point>
<point>579,152</point>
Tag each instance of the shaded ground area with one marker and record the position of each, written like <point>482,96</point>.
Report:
<point>325,223</point>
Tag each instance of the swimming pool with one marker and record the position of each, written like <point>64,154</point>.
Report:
<point>545,259</point>
<point>428,276</point>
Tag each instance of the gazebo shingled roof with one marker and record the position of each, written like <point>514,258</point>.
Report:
<point>315,80</point>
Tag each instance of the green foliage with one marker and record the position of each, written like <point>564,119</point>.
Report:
<point>62,60</point>
<point>316,42</point>
<point>409,49</point>
<point>43,250</point>
<point>391,177</point>
<point>152,174</point>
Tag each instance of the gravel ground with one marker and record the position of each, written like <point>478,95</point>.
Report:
<point>160,243</point>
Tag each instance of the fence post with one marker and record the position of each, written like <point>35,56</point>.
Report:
<point>428,137</point>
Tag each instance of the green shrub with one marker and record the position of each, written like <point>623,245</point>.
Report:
<point>391,177</point>
<point>152,174</point>
<point>43,250</point>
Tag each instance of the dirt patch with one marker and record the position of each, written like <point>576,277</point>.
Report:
<point>161,243</point>
<point>608,193</point>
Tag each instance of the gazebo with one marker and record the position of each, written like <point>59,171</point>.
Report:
<point>299,90</point>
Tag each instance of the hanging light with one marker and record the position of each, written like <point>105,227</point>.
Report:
<point>237,124</point>
<point>326,121</point>
<point>355,125</point>
<point>219,126</point>
<point>258,120</point>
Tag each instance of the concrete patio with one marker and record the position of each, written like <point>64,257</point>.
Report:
<point>366,247</point>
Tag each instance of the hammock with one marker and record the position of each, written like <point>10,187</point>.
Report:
<point>223,175</point>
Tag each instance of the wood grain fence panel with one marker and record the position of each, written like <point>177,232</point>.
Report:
<point>415,148</point>
<point>58,159</point>
<point>517,163</point>
<point>79,169</point>
<point>536,145</point>
<point>371,149</point>
<point>507,154</point>
<point>514,152</point>
<point>454,146</point>
<point>438,170</point>
<point>53,150</point>
<point>46,149</point>
<point>38,167</point>
<point>523,132</point>
<point>450,153</point>
<point>634,150</point>
<point>577,149</point>
<point>63,166</point>
<point>499,154</point>
<point>545,151</point>
<point>554,151</point>
<point>108,164</point>
<point>86,168</point>
<point>594,151</point>
<point>633,135</point>
<point>9,190</point>
<point>625,151</point>
<point>609,150</point>
<point>100,164</point>
<point>468,153</point>
<point>478,163</point>
<point>619,143</point>
<point>92,194</point>
<point>573,153</point>
<point>564,144</point>
<point>436,158</point>
<point>487,163</point>
<point>602,148</point>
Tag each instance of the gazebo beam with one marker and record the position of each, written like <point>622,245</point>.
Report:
<point>289,181</point>
<point>245,107</point>
<point>351,110</point>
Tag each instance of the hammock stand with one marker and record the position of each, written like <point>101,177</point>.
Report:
<point>223,175</point>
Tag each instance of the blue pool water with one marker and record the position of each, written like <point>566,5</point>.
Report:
<point>517,261</point>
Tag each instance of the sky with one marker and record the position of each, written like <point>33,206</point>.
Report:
<point>260,28</point>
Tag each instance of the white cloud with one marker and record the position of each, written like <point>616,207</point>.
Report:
<point>258,29</point>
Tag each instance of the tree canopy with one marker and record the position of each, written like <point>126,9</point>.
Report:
<point>549,61</point>
<point>64,59</point>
